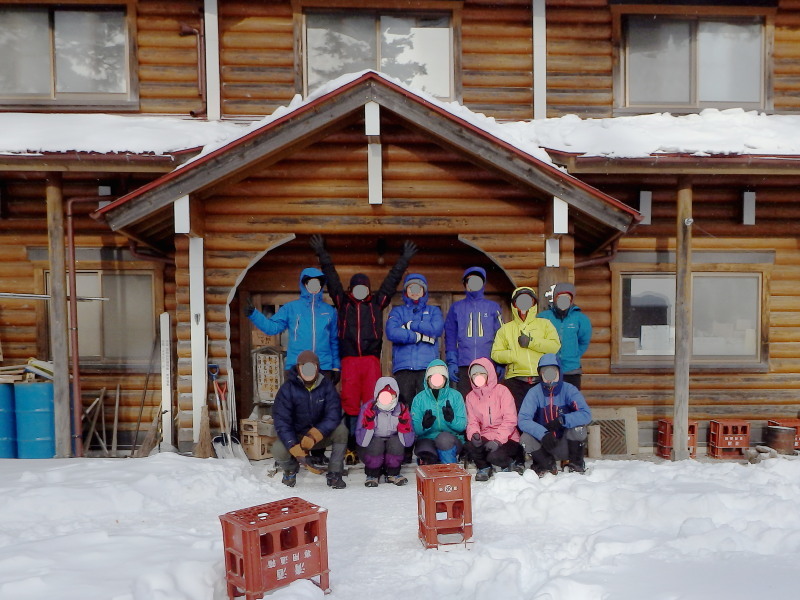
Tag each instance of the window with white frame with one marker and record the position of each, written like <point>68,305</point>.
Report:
<point>726,317</point>
<point>417,49</point>
<point>120,329</point>
<point>680,62</point>
<point>64,55</point>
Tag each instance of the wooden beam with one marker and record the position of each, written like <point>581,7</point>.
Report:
<point>59,323</point>
<point>683,319</point>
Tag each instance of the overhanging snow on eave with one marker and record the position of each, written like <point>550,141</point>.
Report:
<point>88,162</point>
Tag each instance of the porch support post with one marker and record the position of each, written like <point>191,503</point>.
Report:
<point>683,320</point>
<point>59,322</point>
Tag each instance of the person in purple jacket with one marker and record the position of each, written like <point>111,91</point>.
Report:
<point>383,432</point>
<point>469,329</point>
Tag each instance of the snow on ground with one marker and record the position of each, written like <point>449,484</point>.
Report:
<point>148,529</point>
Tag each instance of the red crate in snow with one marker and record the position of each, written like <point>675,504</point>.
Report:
<point>444,503</point>
<point>664,440</point>
<point>789,423</point>
<point>271,545</point>
<point>728,438</point>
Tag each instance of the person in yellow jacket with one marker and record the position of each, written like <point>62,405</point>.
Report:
<point>520,343</point>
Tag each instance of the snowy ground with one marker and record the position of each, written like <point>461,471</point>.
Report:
<point>148,529</point>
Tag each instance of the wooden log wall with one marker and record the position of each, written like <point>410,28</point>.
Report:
<point>755,397</point>
<point>786,57</point>
<point>23,332</point>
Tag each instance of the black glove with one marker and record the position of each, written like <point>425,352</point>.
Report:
<point>317,244</point>
<point>409,249</point>
<point>491,446</point>
<point>556,425</point>
<point>476,440</point>
<point>336,376</point>
<point>448,413</point>
<point>524,340</point>
<point>428,419</point>
<point>549,442</point>
<point>249,309</point>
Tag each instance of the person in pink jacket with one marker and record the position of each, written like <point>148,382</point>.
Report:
<point>492,435</point>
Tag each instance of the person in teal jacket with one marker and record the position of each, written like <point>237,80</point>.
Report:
<point>311,323</point>
<point>574,330</point>
<point>439,417</point>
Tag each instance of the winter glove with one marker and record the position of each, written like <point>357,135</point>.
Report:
<point>476,440</point>
<point>426,339</point>
<point>312,437</point>
<point>369,417</point>
<point>317,244</point>
<point>406,325</point>
<point>500,370</point>
<point>249,309</point>
<point>448,413</point>
<point>297,451</point>
<point>524,340</point>
<point>556,425</point>
<point>491,446</point>
<point>452,366</point>
<point>336,376</point>
<point>549,441</point>
<point>428,419</point>
<point>409,249</point>
<point>404,421</point>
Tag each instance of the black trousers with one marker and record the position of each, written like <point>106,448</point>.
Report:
<point>410,383</point>
<point>502,457</point>
<point>519,386</point>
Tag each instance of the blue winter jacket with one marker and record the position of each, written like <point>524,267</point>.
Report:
<point>297,409</point>
<point>575,331</point>
<point>402,326</point>
<point>471,324</point>
<point>543,403</point>
<point>311,323</point>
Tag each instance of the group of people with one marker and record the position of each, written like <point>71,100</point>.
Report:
<point>504,390</point>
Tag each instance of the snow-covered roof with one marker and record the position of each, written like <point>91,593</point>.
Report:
<point>711,132</point>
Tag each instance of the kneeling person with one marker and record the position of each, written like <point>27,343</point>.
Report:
<point>553,421</point>
<point>308,416</point>
<point>383,432</point>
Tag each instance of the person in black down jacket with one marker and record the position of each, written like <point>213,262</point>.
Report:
<point>308,415</point>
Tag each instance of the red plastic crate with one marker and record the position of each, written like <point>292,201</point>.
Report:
<point>444,503</point>
<point>789,423</point>
<point>728,438</point>
<point>271,545</point>
<point>664,440</point>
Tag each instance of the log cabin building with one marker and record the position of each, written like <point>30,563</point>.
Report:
<point>687,264</point>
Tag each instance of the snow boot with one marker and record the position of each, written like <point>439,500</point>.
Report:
<point>484,474</point>
<point>335,480</point>
<point>449,456</point>
<point>543,462</point>
<point>576,463</point>
<point>396,479</point>
<point>289,478</point>
<point>350,457</point>
<point>371,481</point>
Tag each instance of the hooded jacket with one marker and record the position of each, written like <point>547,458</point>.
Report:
<point>297,409</point>
<point>522,362</point>
<point>575,332</point>
<point>435,401</point>
<point>311,323</point>
<point>543,403</point>
<point>360,322</point>
<point>471,324</point>
<point>385,421</point>
<point>403,324</point>
<point>491,411</point>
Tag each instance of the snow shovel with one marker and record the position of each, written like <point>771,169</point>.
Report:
<point>225,444</point>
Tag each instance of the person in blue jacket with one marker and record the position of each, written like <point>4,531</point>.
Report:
<point>574,330</point>
<point>311,323</point>
<point>413,328</point>
<point>439,416</point>
<point>469,329</point>
<point>553,421</point>
<point>308,415</point>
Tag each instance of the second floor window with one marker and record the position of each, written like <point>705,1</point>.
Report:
<point>64,56</point>
<point>693,63</point>
<point>417,50</point>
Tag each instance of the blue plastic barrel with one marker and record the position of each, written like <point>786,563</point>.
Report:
<point>35,420</point>
<point>8,442</point>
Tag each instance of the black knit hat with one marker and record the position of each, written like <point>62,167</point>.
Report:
<point>359,279</point>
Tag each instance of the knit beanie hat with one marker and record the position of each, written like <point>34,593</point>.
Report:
<point>359,279</point>
<point>419,282</point>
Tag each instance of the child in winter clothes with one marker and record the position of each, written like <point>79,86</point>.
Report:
<point>439,417</point>
<point>492,436</point>
<point>553,421</point>
<point>383,431</point>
